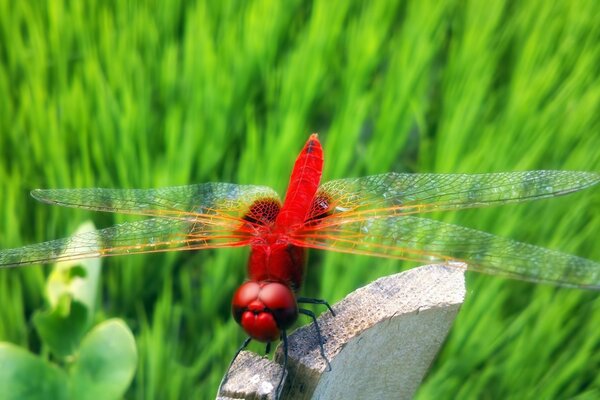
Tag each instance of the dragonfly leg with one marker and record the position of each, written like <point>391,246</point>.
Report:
<point>237,353</point>
<point>319,336</point>
<point>268,348</point>
<point>310,300</point>
<point>284,339</point>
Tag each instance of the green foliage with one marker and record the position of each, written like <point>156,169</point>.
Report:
<point>62,328</point>
<point>27,377</point>
<point>148,94</point>
<point>101,365</point>
<point>106,362</point>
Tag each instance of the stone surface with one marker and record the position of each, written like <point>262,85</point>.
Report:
<point>251,377</point>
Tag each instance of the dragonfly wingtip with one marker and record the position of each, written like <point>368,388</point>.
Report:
<point>38,194</point>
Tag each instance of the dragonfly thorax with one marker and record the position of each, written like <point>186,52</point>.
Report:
<point>264,309</point>
<point>278,262</point>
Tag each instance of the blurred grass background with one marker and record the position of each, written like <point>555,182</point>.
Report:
<point>147,94</point>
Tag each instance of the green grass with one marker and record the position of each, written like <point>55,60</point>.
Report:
<point>121,94</point>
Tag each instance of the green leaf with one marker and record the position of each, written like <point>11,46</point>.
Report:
<point>106,364</point>
<point>24,376</point>
<point>62,328</point>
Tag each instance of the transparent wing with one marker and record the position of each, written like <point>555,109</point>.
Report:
<point>426,240</point>
<point>150,235</point>
<point>371,215</point>
<point>415,193</point>
<point>179,201</point>
<point>187,218</point>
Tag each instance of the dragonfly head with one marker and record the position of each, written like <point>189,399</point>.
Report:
<point>264,309</point>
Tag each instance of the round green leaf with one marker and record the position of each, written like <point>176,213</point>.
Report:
<point>106,363</point>
<point>24,376</point>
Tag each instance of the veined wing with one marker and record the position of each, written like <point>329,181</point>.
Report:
<point>207,199</point>
<point>150,235</point>
<point>426,240</point>
<point>415,193</point>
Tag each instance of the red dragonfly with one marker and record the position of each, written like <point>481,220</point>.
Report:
<point>373,215</point>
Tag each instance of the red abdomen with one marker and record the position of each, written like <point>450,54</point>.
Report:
<point>303,185</point>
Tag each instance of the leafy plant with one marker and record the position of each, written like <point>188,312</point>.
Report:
<point>82,361</point>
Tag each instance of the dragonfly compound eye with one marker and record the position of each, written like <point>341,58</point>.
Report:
<point>263,309</point>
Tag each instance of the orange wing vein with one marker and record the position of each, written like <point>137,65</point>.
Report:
<point>429,241</point>
<point>187,218</point>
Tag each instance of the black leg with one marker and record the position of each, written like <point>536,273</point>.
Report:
<point>237,353</point>
<point>268,348</point>
<point>319,337</point>
<point>285,361</point>
<point>309,300</point>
